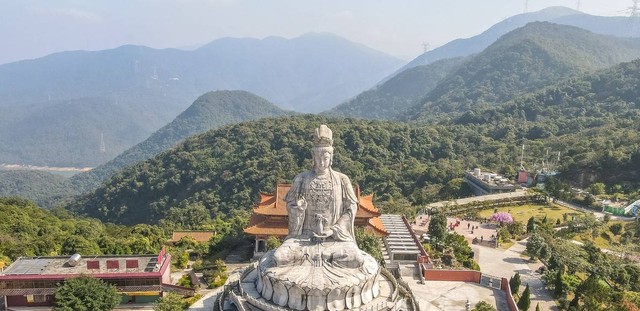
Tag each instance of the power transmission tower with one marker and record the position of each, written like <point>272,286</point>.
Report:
<point>425,49</point>
<point>635,9</point>
<point>578,6</point>
<point>103,147</point>
<point>526,6</point>
<point>634,18</point>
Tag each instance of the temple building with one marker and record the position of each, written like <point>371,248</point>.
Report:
<point>269,217</point>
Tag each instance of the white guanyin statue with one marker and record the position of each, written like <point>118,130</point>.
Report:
<point>319,265</point>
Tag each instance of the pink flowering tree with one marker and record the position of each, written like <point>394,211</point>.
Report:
<point>502,218</point>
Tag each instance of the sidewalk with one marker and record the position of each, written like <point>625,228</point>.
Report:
<point>505,263</point>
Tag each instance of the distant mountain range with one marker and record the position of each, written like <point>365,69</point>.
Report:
<point>398,94</point>
<point>521,61</point>
<point>55,110</point>
<point>524,60</point>
<point>209,111</point>
<point>615,26</point>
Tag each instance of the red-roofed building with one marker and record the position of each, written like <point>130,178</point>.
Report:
<point>31,281</point>
<point>269,217</point>
<point>198,236</point>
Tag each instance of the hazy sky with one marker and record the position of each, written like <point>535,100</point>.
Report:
<point>30,29</point>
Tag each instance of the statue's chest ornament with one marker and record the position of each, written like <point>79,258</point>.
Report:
<point>320,193</point>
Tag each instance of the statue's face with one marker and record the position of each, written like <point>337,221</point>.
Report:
<point>321,161</point>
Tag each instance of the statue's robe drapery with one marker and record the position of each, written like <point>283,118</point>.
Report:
<point>339,208</point>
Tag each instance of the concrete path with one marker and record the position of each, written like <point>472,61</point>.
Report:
<point>505,263</point>
<point>209,296</point>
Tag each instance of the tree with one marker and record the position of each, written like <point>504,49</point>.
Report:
<point>525,299</point>
<point>273,242</point>
<point>369,243</point>
<point>514,283</point>
<point>483,306</point>
<point>170,302</point>
<point>85,293</point>
<point>538,306</point>
<point>558,290</point>
<point>531,224</point>
<point>437,227</point>
<point>597,188</point>
<point>502,217</point>
<point>534,244</point>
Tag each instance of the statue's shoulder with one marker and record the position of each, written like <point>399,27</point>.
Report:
<point>342,177</point>
<point>302,176</point>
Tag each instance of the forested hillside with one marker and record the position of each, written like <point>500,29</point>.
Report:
<point>525,60</point>
<point>225,169</point>
<point>591,120</point>
<point>28,230</point>
<point>395,96</point>
<point>44,188</point>
<point>209,111</point>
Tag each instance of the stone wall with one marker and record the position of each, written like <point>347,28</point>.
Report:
<point>507,290</point>
<point>452,275</point>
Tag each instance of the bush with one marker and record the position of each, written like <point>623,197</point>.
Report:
<point>85,293</point>
<point>483,306</point>
<point>616,229</point>
<point>218,281</point>
<point>170,302</point>
<point>185,281</point>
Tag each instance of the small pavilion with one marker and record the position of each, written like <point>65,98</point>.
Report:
<point>269,217</point>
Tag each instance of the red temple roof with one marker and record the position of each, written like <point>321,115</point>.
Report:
<point>269,215</point>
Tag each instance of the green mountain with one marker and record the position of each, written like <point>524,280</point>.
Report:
<point>225,169</point>
<point>590,120</point>
<point>522,61</point>
<point>44,188</point>
<point>27,230</point>
<point>396,95</point>
<point>605,25</point>
<point>209,111</point>
<point>127,93</point>
<point>70,132</point>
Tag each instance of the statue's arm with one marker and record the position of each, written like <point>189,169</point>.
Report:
<point>343,228</point>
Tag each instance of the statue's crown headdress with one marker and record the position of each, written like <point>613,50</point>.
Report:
<point>323,137</point>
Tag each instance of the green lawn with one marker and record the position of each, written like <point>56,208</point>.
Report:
<point>522,213</point>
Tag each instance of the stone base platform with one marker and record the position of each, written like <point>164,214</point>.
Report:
<point>246,297</point>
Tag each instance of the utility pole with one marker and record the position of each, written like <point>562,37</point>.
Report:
<point>425,49</point>
<point>103,147</point>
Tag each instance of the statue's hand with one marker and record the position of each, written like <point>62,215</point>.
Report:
<point>325,234</point>
<point>301,203</point>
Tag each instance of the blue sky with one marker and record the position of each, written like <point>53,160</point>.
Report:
<point>30,29</point>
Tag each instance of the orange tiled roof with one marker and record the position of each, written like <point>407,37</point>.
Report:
<point>366,202</point>
<point>275,205</point>
<point>199,236</point>
<point>363,213</point>
<point>377,224</point>
<point>261,225</point>
<point>266,199</point>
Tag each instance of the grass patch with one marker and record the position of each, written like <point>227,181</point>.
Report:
<point>522,213</point>
<point>506,245</point>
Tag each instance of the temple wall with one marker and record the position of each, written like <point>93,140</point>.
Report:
<point>452,275</point>
<point>504,286</point>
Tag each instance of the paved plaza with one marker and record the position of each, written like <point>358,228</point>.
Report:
<point>497,261</point>
<point>453,296</point>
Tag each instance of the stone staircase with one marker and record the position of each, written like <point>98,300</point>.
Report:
<point>490,281</point>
